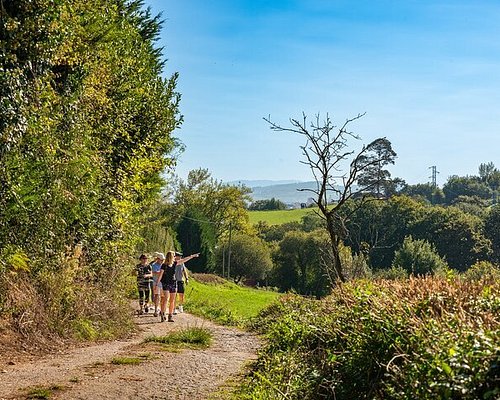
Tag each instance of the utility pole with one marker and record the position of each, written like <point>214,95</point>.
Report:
<point>223,259</point>
<point>229,252</point>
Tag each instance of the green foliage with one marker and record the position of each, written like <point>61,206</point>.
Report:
<point>426,191</point>
<point>374,179</point>
<point>392,273</point>
<point>419,338</point>
<point>457,236</point>
<point>250,258</point>
<point>482,270</point>
<point>85,133</point>
<point>196,234</point>
<point>300,263</point>
<point>418,257</point>
<point>223,205</point>
<point>465,186</point>
<point>379,228</point>
<point>491,231</point>
<point>271,204</point>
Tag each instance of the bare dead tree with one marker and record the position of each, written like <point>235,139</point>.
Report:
<point>327,152</point>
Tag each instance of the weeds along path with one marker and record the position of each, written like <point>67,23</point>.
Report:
<point>88,373</point>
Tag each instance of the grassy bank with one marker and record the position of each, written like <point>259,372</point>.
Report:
<point>225,302</point>
<point>414,339</point>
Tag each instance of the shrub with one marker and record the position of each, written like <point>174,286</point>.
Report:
<point>482,270</point>
<point>418,257</point>
<point>422,338</point>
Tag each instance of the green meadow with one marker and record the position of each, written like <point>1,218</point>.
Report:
<point>225,302</point>
<point>277,217</point>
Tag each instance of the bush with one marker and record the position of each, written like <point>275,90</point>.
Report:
<point>424,338</point>
<point>418,257</point>
<point>482,270</point>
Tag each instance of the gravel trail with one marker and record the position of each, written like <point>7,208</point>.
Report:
<point>87,372</point>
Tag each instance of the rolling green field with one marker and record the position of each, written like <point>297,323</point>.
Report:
<point>225,302</point>
<point>277,217</point>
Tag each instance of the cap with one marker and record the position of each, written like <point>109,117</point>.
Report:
<point>178,254</point>
<point>161,256</point>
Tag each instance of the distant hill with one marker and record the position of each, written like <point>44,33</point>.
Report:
<point>287,193</point>
<point>261,183</point>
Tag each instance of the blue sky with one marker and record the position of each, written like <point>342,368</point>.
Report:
<point>427,74</point>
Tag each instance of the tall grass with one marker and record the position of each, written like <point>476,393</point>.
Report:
<point>425,338</point>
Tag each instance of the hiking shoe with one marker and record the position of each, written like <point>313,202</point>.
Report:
<point>146,309</point>
<point>155,314</point>
<point>176,312</point>
<point>139,312</point>
<point>170,318</point>
<point>162,317</point>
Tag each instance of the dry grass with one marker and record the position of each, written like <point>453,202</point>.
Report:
<point>209,279</point>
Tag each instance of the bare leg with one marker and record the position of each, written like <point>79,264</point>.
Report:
<point>171,306</point>
<point>163,305</point>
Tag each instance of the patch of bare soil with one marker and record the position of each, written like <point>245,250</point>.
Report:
<point>88,372</point>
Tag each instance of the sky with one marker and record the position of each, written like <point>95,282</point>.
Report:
<point>426,73</point>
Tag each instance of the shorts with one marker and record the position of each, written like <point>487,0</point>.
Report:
<point>156,284</point>
<point>170,287</point>
<point>180,286</point>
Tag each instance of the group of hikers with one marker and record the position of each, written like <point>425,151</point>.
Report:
<point>160,281</point>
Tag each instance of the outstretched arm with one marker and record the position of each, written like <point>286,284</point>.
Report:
<point>186,259</point>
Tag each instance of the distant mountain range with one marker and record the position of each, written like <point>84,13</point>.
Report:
<point>259,183</point>
<point>286,192</point>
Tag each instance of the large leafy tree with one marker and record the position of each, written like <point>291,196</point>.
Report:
<point>299,263</point>
<point>457,236</point>
<point>224,205</point>
<point>250,258</point>
<point>375,178</point>
<point>424,190</point>
<point>470,186</point>
<point>378,228</point>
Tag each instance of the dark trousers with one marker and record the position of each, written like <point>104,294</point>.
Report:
<point>144,292</point>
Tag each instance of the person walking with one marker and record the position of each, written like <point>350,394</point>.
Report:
<point>169,287</point>
<point>144,279</point>
<point>181,277</point>
<point>156,269</point>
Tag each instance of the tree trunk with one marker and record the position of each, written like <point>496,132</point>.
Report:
<point>334,242</point>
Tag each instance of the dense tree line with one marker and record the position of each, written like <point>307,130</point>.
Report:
<point>392,236</point>
<point>266,205</point>
<point>85,131</point>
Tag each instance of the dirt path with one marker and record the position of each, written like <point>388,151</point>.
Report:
<point>87,373</point>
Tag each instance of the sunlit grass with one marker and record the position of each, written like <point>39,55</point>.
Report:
<point>277,217</point>
<point>227,303</point>
<point>191,338</point>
